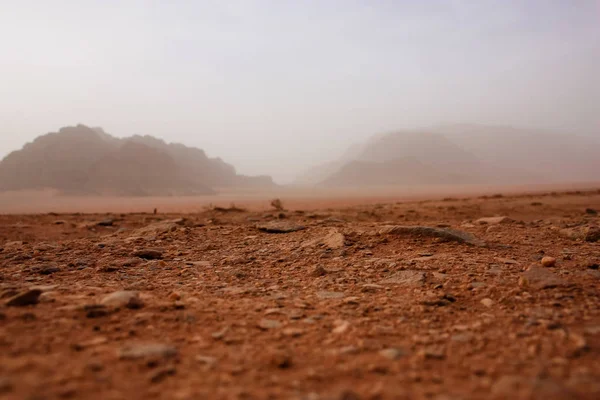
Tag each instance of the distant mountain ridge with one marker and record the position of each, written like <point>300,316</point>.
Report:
<point>84,160</point>
<point>462,154</point>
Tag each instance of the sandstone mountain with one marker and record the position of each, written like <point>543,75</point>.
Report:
<point>83,160</point>
<point>462,154</point>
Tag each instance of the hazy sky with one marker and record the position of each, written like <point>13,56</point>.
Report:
<point>274,86</point>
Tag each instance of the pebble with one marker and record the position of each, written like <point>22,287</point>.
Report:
<point>293,332</point>
<point>281,359</point>
<point>267,324</point>
<point>548,261</point>
<point>318,271</point>
<point>493,220</point>
<point>335,240</point>
<point>47,269</point>
<point>137,351</point>
<point>208,360</point>
<point>392,353</point>
<point>323,294</point>
<point>341,327</point>
<point>26,298</point>
<point>123,298</point>
<point>433,352</point>
<point>487,302</point>
<point>148,254</point>
<point>162,373</point>
<point>408,278</point>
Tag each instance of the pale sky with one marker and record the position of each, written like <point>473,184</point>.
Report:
<point>275,86</point>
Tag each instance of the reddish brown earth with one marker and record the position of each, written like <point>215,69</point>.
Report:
<point>343,309</point>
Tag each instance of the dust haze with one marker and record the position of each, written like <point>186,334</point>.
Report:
<point>279,88</point>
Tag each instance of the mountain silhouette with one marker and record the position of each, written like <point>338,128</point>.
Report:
<point>84,160</point>
<point>462,154</point>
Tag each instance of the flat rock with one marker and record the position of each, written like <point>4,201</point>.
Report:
<point>427,231</point>
<point>137,351</point>
<point>392,353</point>
<point>280,227</point>
<point>148,254</point>
<point>334,240</point>
<point>323,294</point>
<point>487,302</point>
<point>157,228</point>
<point>123,298</point>
<point>493,220</point>
<point>539,277</point>
<point>266,324</point>
<point>26,298</point>
<point>408,278</point>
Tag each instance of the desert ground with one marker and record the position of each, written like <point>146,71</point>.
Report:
<point>420,295</point>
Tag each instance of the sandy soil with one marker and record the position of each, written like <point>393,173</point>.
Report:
<point>211,305</point>
<point>28,202</point>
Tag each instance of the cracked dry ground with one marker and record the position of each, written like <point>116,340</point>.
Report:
<point>207,306</point>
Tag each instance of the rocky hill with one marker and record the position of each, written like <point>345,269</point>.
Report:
<point>465,154</point>
<point>83,160</point>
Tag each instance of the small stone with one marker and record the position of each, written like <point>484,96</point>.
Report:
<point>591,211</point>
<point>281,359</point>
<point>95,311</point>
<point>267,324</point>
<point>208,360</point>
<point>162,373</point>
<point>477,285</point>
<point>340,327</point>
<point>106,222</point>
<point>137,351</point>
<point>174,296</point>
<point>148,254</point>
<point>335,240</point>
<point>129,262</point>
<point>204,264</point>
<point>487,302</point>
<point>508,261</point>
<point>293,332</point>
<point>548,261</point>
<point>318,271</point>
<point>97,341</point>
<point>47,269</point>
<point>329,295</point>
<point>26,298</point>
<point>433,352</point>
<point>123,298</point>
<point>406,278</point>
<point>493,220</point>
<point>392,353</point>
<point>351,300</point>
